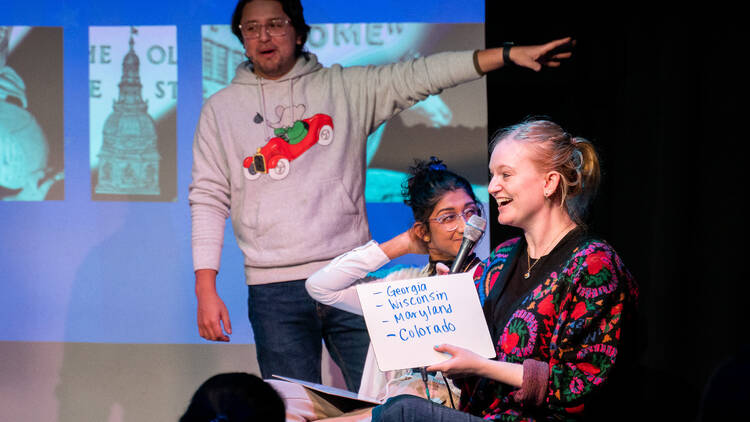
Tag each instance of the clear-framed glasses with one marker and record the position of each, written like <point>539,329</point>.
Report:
<point>449,220</point>
<point>275,28</point>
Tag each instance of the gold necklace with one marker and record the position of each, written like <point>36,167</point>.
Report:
<point>529,265</point>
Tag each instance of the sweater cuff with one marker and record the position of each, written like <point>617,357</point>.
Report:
<point>534,385</point>
<point>476,63</point>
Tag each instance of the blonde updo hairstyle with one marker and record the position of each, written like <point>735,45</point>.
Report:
<point>574,158</point>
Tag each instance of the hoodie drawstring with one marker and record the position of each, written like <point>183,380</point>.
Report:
<point>262,105</point>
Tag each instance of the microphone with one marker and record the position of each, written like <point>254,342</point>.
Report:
<point>473,231</point>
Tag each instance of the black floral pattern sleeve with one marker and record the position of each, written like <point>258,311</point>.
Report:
<point>571,321</point>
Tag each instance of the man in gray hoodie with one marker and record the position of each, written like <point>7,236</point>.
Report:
<point>281,151</point>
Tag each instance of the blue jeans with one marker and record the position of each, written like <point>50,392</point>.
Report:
<point>409,408</point>
<point>289,325</point>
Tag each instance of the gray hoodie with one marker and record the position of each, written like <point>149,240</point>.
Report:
<point>310,206</point>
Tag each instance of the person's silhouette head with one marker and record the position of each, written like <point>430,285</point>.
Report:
<point>235,396</point>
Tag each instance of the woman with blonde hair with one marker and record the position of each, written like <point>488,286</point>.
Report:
<point>558,300</point>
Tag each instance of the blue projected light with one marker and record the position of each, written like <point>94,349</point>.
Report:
<point>73,13</point>
<point>115,266</point>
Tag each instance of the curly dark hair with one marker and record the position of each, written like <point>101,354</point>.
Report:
<point>428,182</point>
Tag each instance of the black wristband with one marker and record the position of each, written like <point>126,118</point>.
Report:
<point>476,63</point>
<point>506,54</point>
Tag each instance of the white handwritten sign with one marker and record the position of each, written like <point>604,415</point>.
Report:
<point>407,318</point>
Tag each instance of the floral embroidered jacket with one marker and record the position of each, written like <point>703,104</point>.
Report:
<point>573,321</point>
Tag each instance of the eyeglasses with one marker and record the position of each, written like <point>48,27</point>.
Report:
<point>274,27</point>
<point>449,220</point>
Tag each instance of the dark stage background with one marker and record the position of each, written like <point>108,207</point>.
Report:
<point>98,305</point>
<point>660,97</point>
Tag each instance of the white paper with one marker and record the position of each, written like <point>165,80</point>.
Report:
<point>331,390</point>
<point>407,318</point>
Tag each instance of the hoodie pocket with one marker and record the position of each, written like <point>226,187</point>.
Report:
<point>303,223</point>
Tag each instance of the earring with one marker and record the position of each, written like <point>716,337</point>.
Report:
<point>546,194</point>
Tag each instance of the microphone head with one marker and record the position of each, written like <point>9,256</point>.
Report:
<point>475,228</point>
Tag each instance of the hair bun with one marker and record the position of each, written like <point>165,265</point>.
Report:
<point>437,165</point>
<point>429,181</point>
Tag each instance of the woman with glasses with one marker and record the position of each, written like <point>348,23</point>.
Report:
<point>559,302</point>
<point>441,202</point>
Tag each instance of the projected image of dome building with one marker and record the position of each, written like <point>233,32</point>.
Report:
<point>129,158</point>
<point>30,158</point>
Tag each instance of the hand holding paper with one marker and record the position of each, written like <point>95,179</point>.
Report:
<point>465,362</point>
<point>406,318</point>
<point>461,362</point>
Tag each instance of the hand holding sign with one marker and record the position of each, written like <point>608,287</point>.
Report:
<point>406,318</point>
<point>461,362</point>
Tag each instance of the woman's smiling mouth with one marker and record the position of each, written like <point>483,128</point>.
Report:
<point>501,202</point>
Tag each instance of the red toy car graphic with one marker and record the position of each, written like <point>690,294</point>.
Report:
<point>274,158</point>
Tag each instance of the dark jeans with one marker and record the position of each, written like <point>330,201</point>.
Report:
<point>409,408</point>
<point>288,326</point>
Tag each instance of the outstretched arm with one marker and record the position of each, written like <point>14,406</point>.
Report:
<point>533,57</point>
